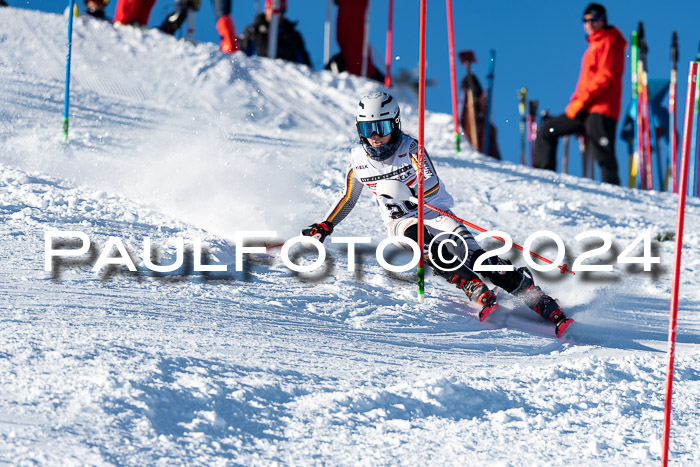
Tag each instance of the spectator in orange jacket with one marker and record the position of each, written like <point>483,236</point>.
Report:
<point>595,104</point>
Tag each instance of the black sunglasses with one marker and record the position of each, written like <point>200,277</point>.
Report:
<point>591,20</point>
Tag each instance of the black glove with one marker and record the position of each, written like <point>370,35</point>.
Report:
<point>320,230</point>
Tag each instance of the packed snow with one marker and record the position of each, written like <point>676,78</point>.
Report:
<point>171,140</point>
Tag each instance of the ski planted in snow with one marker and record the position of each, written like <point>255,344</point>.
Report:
<point>634,154</point>
<point>467,57</point>
<point>693,169</point>
<point>522,98</point>
<point>489,98</point>
<point>672,125</point>
<point>532,129</point>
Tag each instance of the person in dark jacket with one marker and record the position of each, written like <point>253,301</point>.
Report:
<point>290,45</point>
<point>96,9</point>
<point>594,107</point>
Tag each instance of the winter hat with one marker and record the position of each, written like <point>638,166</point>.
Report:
<point>283,5</point>
<point>597,10</point>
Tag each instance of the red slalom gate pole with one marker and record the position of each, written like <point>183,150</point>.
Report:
<point>389,44</point>
<point>421,150</point>
<point>453,73</point>
<point>680,216</point>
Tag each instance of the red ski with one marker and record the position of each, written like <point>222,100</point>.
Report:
<point>561,326</point>
<point>486,311</point>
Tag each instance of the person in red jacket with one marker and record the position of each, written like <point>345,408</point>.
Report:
<point>594,107</point>
<point>133,12</point>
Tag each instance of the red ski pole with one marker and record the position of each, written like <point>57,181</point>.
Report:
<point>562,267</point>
<point>680,216</point>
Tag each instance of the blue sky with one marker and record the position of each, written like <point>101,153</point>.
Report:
<point>538,45</point>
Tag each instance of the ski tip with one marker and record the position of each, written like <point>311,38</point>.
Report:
<point>486,311</point>
<point>562,327</point>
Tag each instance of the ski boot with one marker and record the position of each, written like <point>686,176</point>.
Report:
<point>544,305</point>
<point>478,293</point>
<point>174,20</point>
<point>549,307</point>
<point>475,289</point>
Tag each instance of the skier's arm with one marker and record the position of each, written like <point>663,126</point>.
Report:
<point>348,199</point>
<point>610,65</point>
<point>431,184</point>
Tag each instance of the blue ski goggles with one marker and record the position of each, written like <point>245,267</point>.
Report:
<point>382,128</point>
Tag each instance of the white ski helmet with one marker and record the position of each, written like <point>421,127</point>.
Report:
<point>379,113</point>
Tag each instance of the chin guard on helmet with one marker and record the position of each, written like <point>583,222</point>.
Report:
<point>379,113</point>
<point>383,152</point>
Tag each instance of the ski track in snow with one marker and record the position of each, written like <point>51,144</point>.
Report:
<point>169,139</point>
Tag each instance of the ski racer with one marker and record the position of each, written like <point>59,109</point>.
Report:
<point>385,152</point>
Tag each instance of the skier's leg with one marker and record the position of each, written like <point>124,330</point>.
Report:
<point>520,283</point>
<point>545,153</point>
<point>174,20</point>
<point>444,256</point>
<point>456,245</point>
<point>601,133</point>
<point>461,244</point>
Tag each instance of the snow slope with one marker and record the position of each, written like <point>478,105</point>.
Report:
<point>170,140</point>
